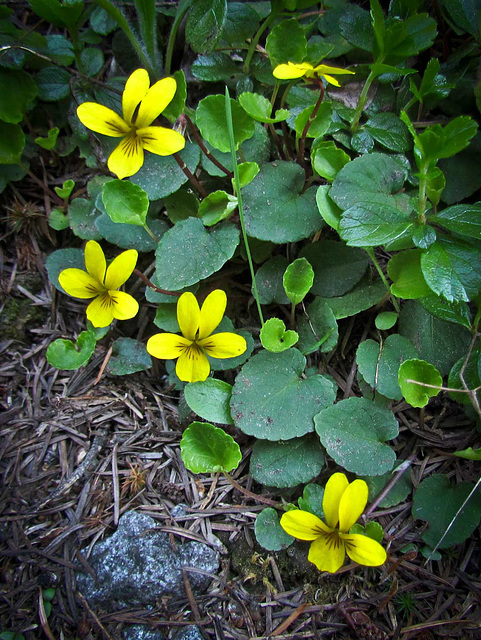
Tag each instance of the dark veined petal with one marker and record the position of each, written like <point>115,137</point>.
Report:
<point>101,119</point>
<point>124,305</point>
<point>136,87</point>
<point>100,311</point>
<point>303,524</point>
<point>192,365</point>
<point>364,550</point>
<point>223,345</point>
<point>78,283</point>
<point>212,312</point>
<point>327,552</point>
<point>127,158</point>
<point>335,487</point>
<point>161,141</point>
<point>167,346</point>
<point>154,102</point>
<point>120,269</point>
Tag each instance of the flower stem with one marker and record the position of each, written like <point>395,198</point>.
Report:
<point>150,232</point>
<point>362,101</point>
<point>255,40</point>
<point>370,253</point>
<point>230,128</point>
<point>248,493</point>
<point>147,282</point>
<point>203,148</point>
<point>193,180</point>
<point>181,11</point>
<point>302,143</point>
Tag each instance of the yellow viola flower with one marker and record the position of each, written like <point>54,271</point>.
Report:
<point>141,105</point>
<point>102,283</point>
<point>291,71</point>
<point>343,503</point>
<point>197,339</point>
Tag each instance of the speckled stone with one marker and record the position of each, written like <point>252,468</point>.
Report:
<point>141,632</point>
<point>137,565</point>
<point>192,632</point>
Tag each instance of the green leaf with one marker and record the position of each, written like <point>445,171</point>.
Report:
<point>370,224</point>
<point>269,280</point>
<point>208,449</point>
<point>420,371</point>
<point>362,297</point>
<point>12,142</point>
<point>273,401</point>
<point>64,354</point>
<point>247,173</point>
<point>464,219</point>
<point>17,94</point>
<point>405,38</point>
<point>354,433</point>
<point>82,215</point>
<point>210,400</point>
<point>176,106</point>
<point>128,356</point>
<point>436,341</point>
<point>225,364</point>
<point>379,364</point>
<point>337,267</point>
<point>216,207</point>
<point>125,202</point>
<point>398,493</point>
<point>462,175</point>
<point>275,209</point>
<point>211,120</point>
<point>457,312</point>
<point>389,131</point>
<point>327,160</point>
<point>60,14</point>
<point>471,377</point>
<point>355,26</point>
<point>443,142</point>
<point>58,220</point>
<point>241,22</point>
<point>435,185</point>
<point>131,236</point>
<point>269,533</point>
<point>373,178</point>
<point>92,60</point>
<point>464,14</point>
<point>286,464</point>
<point>50,141</point>
<point>53,84</point>
<point>318,330</point>
<point>319,125</point>
<point>386,320</point>
<point>62,259</point>
<point>66,189</point>
<point>101,22</point>
<point>188,253</point>
<point>452,269</point>
<point>330,212</point>
<point>205,21</point>
<point>372,530</point>
<point>259,108</point>
<point>404,269</point>
<point>286,42</point>
<point>311,499</point>
<point>437,501</point>
<point>181,205</point>
<point>469,454</point>
<point>424,236</point>
<point>274,336</point>
<point>59,49</point>
<point>297,280</point>
<point>214,67</point>
<point>161,176</point>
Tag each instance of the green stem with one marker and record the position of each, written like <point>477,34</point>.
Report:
<point>150,232</point>
<point>422,197</point>
<point>370,253</point>
<point>302,143</point>
<point>362,101</point>
<point>293,316</point>
<point>181,10</point>
<point>230,128</point>
<point>255,40</point>
<point>123,23</point>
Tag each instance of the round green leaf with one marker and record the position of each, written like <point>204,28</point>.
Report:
<point>161,176</point>
<point>286,42</point>
<point>214,67</point>
<point>364,296</point>
<point>379,365</point>
<point>286,463</point>
<point>269,533</point>
<point>370,224</point>
<point>437,501</point>
<point>208,449</point>
<point>389,131</point>
<point>210,400</point>
<point>17,94</point>
<point>62,259</point>
<point>211,120</point>
<point>274,336</point>
<point>82,215</point>
<point>12,142</point>
<point>337,267</point>
<point>64,354</point>
<point>456,312</point>
<point>275,209</point>
<point>328,160</point>
<point>354,433</point>
<point>131,236</point>
<point>166,316</point>
<point>319,329</point>
<point>272,400</point>
<point>330,212</point>
<point>216,207</point>
<point>128,356</point>
<point>247,173</point>
<point>188,253</point>
<point>311,499</point>
<point>298,279</point>
<point>319,124</point>
<point>125,202</point>
<point>386,320</point>
<point>259,108</point>
<point>53,84</point>
<point>205,21</point>
<point>421,371</point>
<point>471,375</point>
<point>92,60</point>
<point>404,269</point>
<point>269,281</point>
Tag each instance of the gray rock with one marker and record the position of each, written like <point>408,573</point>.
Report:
<point>141,632</point>
<point>192,632</point>
<point>137,565</point>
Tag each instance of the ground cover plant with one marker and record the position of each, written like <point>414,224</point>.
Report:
<point>265,216</point>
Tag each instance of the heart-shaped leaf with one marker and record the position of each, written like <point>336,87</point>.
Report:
<point>208,449</point>
<point>64,354</point>
<point>413,371</point>
<point>269,533</point>
<point>210,400</point>
<point>297,280</point>
<point>275,337</point>
<point>125,202</point>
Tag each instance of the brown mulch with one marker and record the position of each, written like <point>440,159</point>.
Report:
<point>78,449</point>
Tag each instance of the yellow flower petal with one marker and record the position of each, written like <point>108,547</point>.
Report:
<point>120,269</point>
<point>100,311</point>
<point>95,261</point>
<point>291,71</point>
<point>335,487</point>
<point>161,141</point>
<point>352,504</point>
<point>101,119</point>
<point>322,69</point>
<point>223,345</point>
<point>188,315</point>
<point>302,524</point>
<point>155,101</point>
<point>192,365</point>
<point>127,158</point>
<point>136,87</point>
<point>327,552</point>
<point>124,305</point>
<point>364,550</point>
<point>212,312</point>
<point>167,346</point>
<point>78,283</point>
<point>331,80</point>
